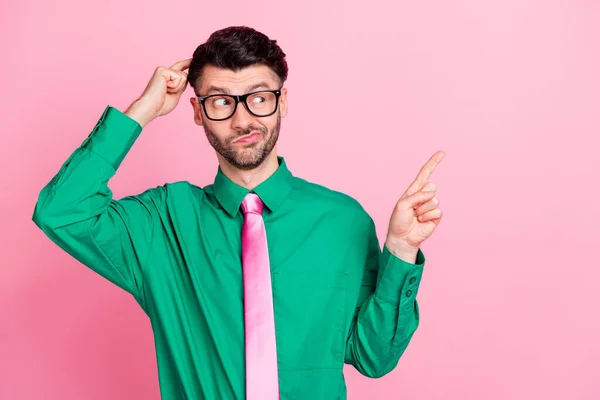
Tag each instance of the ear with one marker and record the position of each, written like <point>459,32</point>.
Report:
<point>197,110</point>
<point>283,104</point>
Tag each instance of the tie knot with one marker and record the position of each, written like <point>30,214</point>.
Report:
<point>252,204</point>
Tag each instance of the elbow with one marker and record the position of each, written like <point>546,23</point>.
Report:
<point>39,216</point>
<point>43,222</point>
<point>374,374</point>
<point>46,218</point>
<point>42,210</point>
<point>51,215</point>
<point>373,366</point>
<point>43,214</point>
<point>379,369</point>
<point>382,362</point>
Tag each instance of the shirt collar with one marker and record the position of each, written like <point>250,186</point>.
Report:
<point>273,191</point>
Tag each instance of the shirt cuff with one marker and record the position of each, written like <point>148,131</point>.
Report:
<point>398,281</point>
<point>113,136</point>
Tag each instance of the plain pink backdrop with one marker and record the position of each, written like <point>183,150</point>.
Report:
<point>509,89</point>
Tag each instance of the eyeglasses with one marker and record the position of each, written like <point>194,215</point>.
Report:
<point>219,107</point>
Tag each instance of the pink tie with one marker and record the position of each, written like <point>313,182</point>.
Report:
<point>262,381</point>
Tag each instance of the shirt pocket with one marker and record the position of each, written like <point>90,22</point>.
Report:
<point>310,315</point>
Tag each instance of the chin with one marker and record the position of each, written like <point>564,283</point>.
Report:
<point>249,162</point>
<point>244,159</point>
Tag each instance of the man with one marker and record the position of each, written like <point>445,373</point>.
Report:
<point>262,284</point>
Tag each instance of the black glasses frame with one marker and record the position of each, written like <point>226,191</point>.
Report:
<point>240,98</point>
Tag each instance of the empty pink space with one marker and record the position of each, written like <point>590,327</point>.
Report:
<point>508,89</point>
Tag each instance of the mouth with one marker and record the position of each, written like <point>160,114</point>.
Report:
<point>250,138</point>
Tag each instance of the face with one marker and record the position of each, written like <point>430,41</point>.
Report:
<point>224,136</point>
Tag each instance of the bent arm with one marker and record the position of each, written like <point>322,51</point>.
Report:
<point>387,313</point>
<point>76,209</point>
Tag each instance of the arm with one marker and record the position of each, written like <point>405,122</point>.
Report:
<point>76,209</point>
<point>387,313</point>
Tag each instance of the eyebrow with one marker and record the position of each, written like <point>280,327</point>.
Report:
<point>249,89</point>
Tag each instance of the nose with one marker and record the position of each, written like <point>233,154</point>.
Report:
<point>241,118</point>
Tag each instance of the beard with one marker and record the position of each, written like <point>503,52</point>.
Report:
<point>250,156</point>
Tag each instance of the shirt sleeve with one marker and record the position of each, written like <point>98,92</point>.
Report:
<point>76,209</point>
<point>387,314</point>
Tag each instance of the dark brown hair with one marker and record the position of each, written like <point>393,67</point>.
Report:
<point>235,48</point>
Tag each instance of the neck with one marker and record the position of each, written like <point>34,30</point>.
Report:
<point>250,179</point>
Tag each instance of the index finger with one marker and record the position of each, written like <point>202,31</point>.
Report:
<point>426,172</point>
<point>182,65</point>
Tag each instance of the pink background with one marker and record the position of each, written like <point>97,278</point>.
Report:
<point>509,89</point>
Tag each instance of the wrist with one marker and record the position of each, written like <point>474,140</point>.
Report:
<point>140,113</point>
<point>402,249</point>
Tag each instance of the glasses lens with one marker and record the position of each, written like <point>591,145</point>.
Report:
<point>219,107</point>
<point>262,103</point>
<point>222,106</point>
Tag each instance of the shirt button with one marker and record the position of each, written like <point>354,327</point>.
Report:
<point>412,280</point>
<point>408,293</point>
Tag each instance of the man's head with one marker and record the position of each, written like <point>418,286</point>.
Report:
<point>236,61</point>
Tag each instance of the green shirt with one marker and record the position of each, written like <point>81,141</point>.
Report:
<point>338,297</point>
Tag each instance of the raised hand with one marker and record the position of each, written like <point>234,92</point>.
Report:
<point>161,94</point>
<point>417,213</point>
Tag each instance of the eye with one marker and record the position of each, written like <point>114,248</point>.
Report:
<point>258,99</point>
<point>220,101</point>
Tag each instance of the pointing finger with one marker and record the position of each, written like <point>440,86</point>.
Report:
<point>425,172</point>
